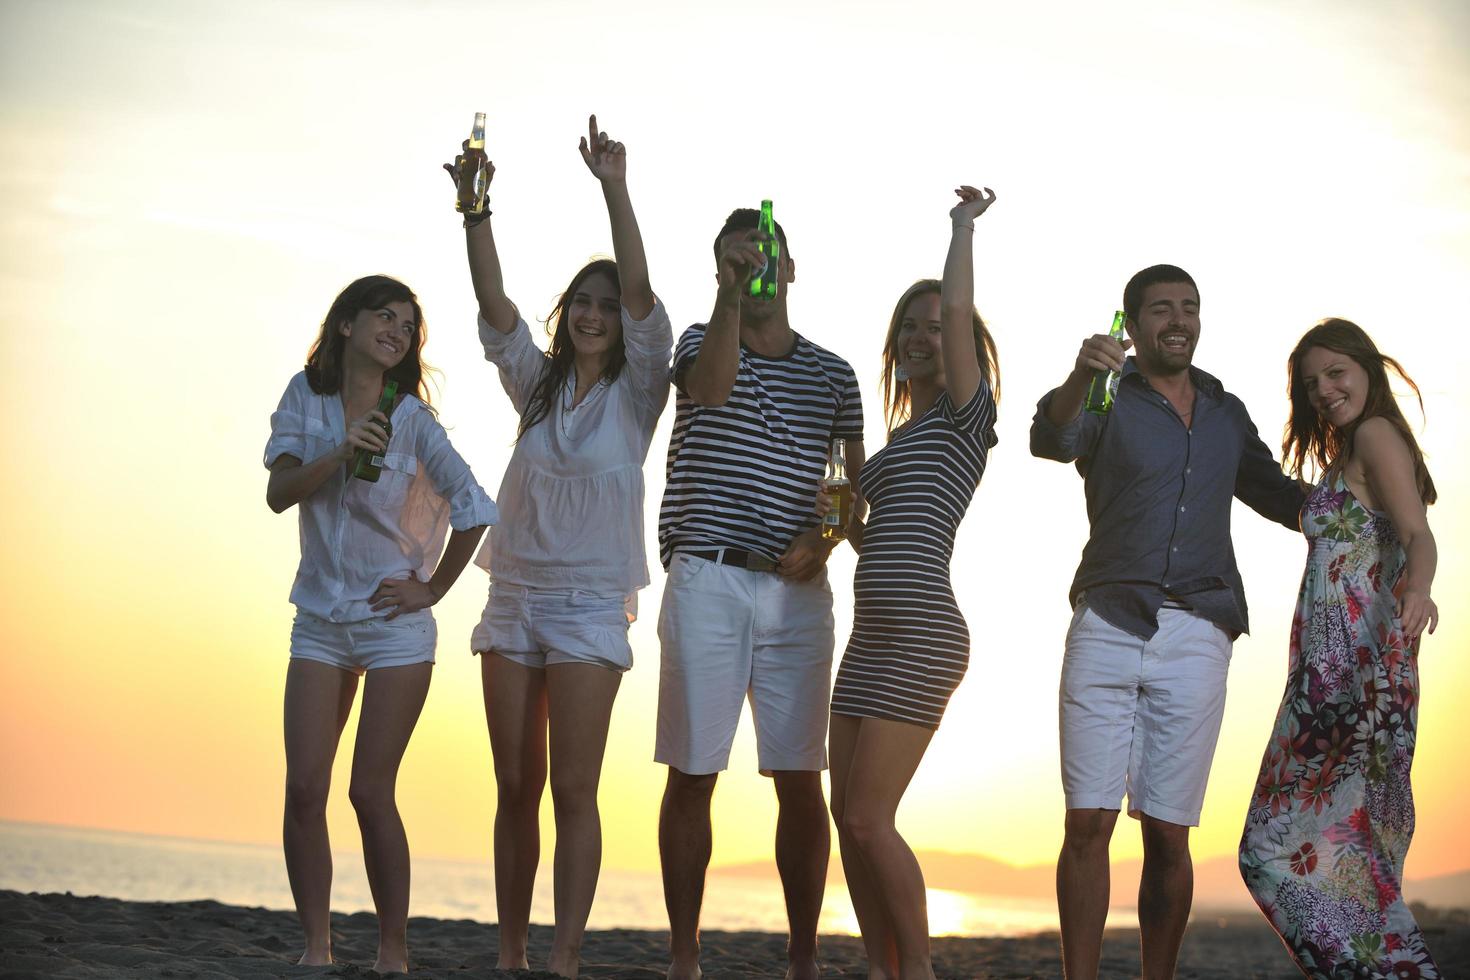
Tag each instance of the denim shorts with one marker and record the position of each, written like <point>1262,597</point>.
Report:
<point>366,644</point>
<point>541,627</point>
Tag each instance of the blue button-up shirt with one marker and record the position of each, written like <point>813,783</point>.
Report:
<point>1159,499</point>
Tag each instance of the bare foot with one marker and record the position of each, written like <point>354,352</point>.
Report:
<point>315,957</point>
<point>512,962</point>
<point>803,970</point>
<point>564,965</point>
<point>679,971</point>
<point>395,964</point>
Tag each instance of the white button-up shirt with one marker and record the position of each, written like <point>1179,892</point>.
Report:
<point>573,491</point>
<point>355,534</point>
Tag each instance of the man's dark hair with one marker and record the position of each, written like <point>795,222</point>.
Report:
<point>1152,276</point>
<point>742,218</point>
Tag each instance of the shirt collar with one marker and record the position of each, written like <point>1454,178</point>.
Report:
<point>1203,380</point>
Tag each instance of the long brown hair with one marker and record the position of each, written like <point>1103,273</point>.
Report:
<point>561,354</point>
<point>1308,437</point>
<point>324,361</point>
<point>896,398</point>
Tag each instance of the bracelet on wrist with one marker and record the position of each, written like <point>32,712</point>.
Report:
<point>960,224</point>
<point>470,220</point>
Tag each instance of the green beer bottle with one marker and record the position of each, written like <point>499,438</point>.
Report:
<point>764,283</point>
<point>366,464</point>
<point>1104,385</point>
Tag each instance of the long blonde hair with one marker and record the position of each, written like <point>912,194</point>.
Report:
<point>897,405</point>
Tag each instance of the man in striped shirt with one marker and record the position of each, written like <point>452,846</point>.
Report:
<point>746,607</point>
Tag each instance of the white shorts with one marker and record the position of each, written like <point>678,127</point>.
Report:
<point>540,627</point>
<point>728,633</point>
<point>1142,716</point>
<point>366,644</point>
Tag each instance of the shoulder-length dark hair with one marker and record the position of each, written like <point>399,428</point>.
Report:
<point>1308,437</point>
<point>561,354</point>
<point>324,361</point>
<point>897,404</point>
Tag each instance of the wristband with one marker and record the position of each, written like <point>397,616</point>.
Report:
<point>470,220</point>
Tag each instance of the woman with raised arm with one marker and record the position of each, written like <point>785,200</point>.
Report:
<point>568,561</point>
<point>909,644</point>
<point>1329,825</point>
<point>375,493</point>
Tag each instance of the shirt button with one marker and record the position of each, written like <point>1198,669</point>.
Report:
<point>1175,548</point>
<point>1187,470</point>
<point>1181,508</point>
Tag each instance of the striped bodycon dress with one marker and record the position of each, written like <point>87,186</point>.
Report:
<point>909,644</point>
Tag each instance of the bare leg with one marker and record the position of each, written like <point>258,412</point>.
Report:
<point>684,843</point>
<point>579,699</point>
<point>1164,896</point>
<point>803,845</point>
<point>392,698</point>
<point>515,712</point>
<point>867,899</point>
<point>318,701</point>
<point>1082,890</point>
<point>885,757</point>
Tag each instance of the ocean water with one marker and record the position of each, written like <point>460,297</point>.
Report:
<point>142,868</point>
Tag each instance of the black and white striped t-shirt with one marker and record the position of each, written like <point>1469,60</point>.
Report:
<point>744,474</point>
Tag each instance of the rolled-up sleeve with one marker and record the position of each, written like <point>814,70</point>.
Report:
<point>1063,443</point>
<point>288,426</point>
<point>469,505</point>
<point>519,359</point>
<point>649,344</point>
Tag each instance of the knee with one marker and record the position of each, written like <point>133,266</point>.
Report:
<point>864,828</point>
<point>369,796</point>
<point>573,795</point>
<point>685,790</point>
<point>800,791</point>
<point>517,788</point>
<point>1165,842</point>
<point>306,799</point>
<point>1088,831</point>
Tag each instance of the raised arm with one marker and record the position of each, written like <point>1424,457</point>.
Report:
<point>1389,467</point>
<point>608,162</point>
<point>957,297</point>
<point>479,239</point>
<point>711,377</point>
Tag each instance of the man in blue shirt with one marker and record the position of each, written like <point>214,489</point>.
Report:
<point>1157,604</point>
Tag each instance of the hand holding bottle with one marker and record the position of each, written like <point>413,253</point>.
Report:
<point>453,168</point>
<point>606,158</point>
<point>740,258</point>
<point>369,432</point>
<point>1101,352</point>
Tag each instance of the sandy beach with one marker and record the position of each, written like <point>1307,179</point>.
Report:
<point>66,936</point>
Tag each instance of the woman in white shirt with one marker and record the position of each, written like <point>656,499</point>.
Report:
<point>371,566</point>
<point>568,560</point>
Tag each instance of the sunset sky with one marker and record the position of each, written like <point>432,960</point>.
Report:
<point>184,187</point>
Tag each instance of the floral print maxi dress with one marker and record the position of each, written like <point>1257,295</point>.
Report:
<point>1330,822</point>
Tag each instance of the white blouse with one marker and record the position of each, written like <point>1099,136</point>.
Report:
<point>355,534</point>
<point>572,495</point>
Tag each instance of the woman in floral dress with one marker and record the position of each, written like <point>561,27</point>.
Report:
<point>1329,825</point>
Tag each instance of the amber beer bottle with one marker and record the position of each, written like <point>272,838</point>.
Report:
<point>837,486</point>
<point>1104,386</point>
<point>366,464</point>
<point>763,284</point>
<point>474,182</point>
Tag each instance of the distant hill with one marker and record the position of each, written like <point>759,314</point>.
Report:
<point>1217,883</point>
